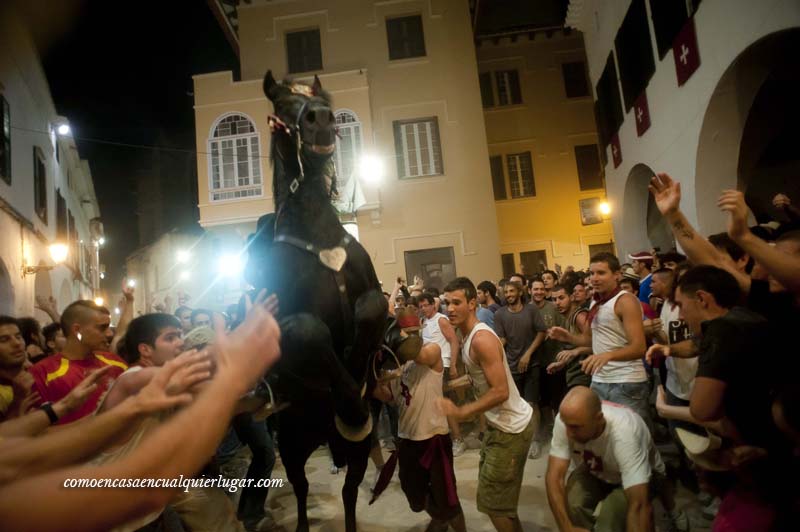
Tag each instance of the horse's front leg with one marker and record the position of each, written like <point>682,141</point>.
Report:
<point>357,459</point>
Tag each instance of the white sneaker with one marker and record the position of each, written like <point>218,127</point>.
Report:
<point>536,450</point>
<point>459,447</point>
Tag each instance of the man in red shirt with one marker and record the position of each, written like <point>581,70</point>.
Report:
<point>86,327</point>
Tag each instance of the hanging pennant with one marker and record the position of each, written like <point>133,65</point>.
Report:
<point>686,53</point>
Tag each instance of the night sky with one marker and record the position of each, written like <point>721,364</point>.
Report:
<point>121,72</point>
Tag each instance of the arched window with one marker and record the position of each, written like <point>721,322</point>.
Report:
<point>235,159</point>
<point>348,144</point>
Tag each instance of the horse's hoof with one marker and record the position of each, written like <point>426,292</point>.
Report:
<point>351,433</point>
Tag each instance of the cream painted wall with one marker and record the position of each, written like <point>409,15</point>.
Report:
<point>549,125</point>
<point>725,29</point>
<point>401,215</point>
<point>23,235</point>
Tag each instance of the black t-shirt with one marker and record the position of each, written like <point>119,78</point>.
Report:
<point>740,350</point>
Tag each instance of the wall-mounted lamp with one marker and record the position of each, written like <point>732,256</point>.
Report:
<point>58,253</point>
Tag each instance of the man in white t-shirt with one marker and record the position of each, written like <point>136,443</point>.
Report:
<point>616,464</point>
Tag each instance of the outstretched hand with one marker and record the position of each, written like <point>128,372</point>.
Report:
<point>80,394</point>
<point>732,202</point>
<point>193,367</point>
<point>656,352</point>
<point>666,193</point>
<point>157,396</point>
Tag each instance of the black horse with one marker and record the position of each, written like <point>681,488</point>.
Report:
<point>332,311</point>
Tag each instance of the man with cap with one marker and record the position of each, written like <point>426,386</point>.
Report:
<point>425,451</point>
<point>642,264</point>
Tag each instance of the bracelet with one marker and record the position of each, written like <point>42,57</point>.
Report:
<point>48,409</point>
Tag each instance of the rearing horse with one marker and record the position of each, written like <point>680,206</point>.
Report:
<point>332,310</point>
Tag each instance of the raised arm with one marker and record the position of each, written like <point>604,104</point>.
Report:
<point>126,316</point>
<point>49,306</point>
<point>667,195</point>
<point>785,268</point>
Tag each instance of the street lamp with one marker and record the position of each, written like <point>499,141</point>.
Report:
<point>58,254</point>
<point>605,209</point>
<point>99,301</point>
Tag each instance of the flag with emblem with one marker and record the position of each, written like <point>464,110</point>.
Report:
<point>642,114</point>
<point>616,152</point>
<point>685,52</point>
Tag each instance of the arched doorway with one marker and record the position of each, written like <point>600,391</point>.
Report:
<point>6,292</point>
<point>749,137</point>
<point>638,207</point>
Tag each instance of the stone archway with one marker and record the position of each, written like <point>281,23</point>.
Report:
<point>643,224</point>
<point>747,112</point>
<point>6,292</point>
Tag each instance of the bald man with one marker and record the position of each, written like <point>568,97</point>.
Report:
<point>616,464</point>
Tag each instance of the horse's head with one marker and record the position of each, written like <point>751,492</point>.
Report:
<point>306,111</point>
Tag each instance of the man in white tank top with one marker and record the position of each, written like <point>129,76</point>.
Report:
<point>510,418</point>
<point>617,340</point>
<point>425,451</point>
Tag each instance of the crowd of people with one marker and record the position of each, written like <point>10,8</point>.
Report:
<point>601,369</point>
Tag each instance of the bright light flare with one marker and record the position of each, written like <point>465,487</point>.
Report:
<point>183,256</point>
<point>99,301</point>
<point>59,252</point>
<point>64,130</point>
<point>605,208</point>
<point>371,168</point>
<point>185,275</point>
<point>131,283</point>
<point>230,265</point>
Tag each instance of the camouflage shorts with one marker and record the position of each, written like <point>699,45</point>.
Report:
<point>503,458</point>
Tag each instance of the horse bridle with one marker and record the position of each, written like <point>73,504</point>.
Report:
<point>275,124</point>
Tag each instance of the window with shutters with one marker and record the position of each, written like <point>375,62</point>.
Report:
<point>590,173</point>
<point>417,148</point>
<point>487,91</point>
<point>304,51</point>
<point>234,152</point>
<point>507,260</point>
<point>575,83</point>
<point>39,184</point>
<point>62,231</point>
<point>498,179</point>
<point>406,39</point>
<point>348,144</point>
<point>520,175</point>
<point>5,140</point>
<point>508,91</point>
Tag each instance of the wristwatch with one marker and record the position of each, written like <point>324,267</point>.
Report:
<point>48,409</point>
